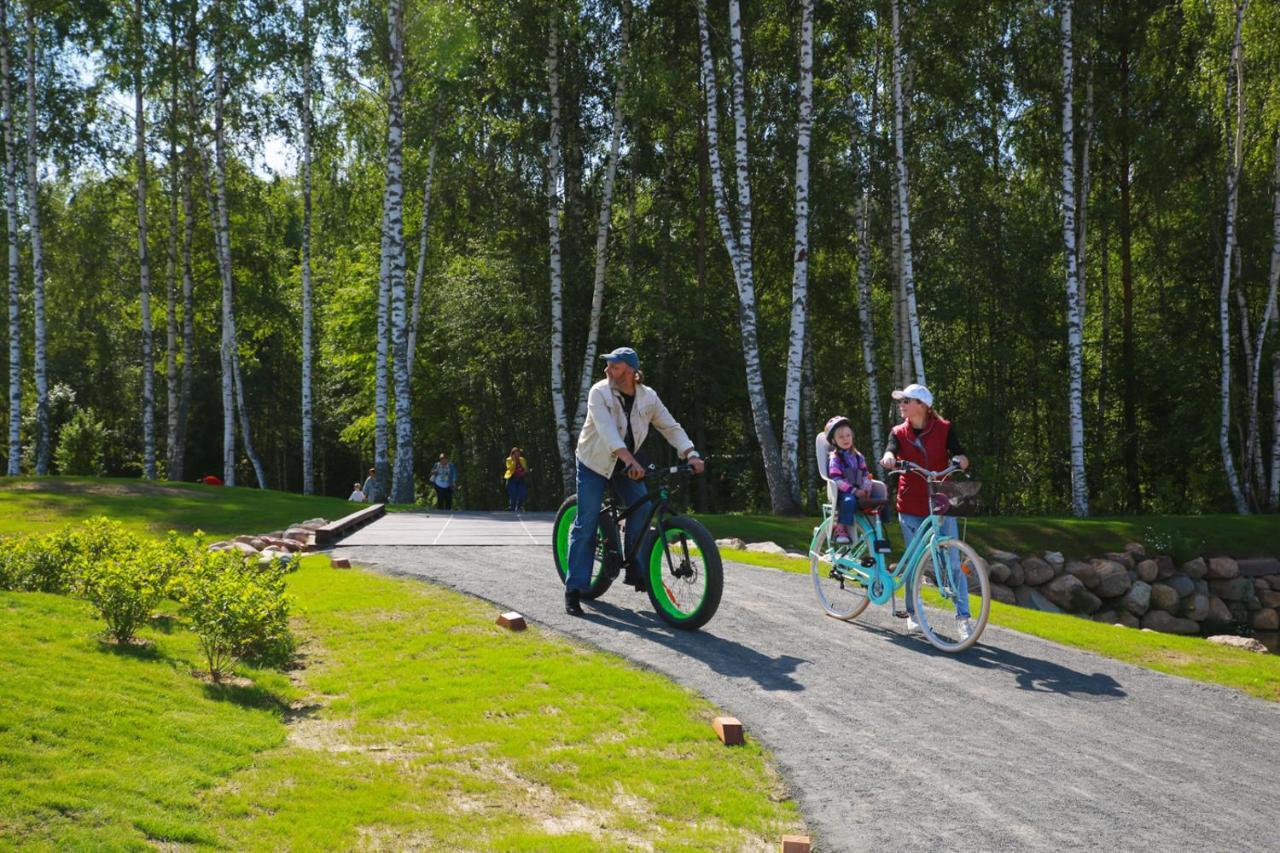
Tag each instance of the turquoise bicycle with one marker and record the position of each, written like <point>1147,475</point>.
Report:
<point>849,577</point>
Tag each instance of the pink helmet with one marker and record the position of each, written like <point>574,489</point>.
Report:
<point>832,424</point>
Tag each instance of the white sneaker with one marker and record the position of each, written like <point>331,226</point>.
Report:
<point>912,624</point>
<point>964,629</point>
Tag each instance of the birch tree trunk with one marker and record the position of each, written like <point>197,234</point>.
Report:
<point>1082,198</point>
<point>422,257</point>
<point>11,219</point>
<point>863,229</point>
<point>808,463</point>
<point>144,257</point>
<point>602,225</point>
<point>222,243</point>
<point>189,164</point>
<point>563,443</point>
<point>381,436</point>
<point>738,245</point>
<point>308,447</point>
<point>1075,312</point>
<point>37,253</point>
<point>402,482</point>
<point>242,410</point>
<point>904,208</point>
<point>171,264</point>
<point>1236,140</point>
<point>800,258</point>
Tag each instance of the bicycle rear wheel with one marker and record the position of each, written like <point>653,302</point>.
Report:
<point>686,577</point>
<point>601,577</point>
<point>840,596</point>
<point>935,590</point>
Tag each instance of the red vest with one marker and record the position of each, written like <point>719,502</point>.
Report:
<point>928,450</point>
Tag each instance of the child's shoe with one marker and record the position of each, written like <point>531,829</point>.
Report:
<point>840,534</point>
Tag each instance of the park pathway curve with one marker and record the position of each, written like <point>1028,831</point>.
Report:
<point>1018,744</point>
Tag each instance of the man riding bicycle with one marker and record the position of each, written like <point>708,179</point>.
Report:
<point>620,410</point>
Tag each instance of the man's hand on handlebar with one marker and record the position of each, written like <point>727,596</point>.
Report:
<point>634,471</point>
<point>696,463</point>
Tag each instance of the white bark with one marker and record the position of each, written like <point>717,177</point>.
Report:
<point>402,481</point>
<point>423,233</point>
<point>602,225</point>
<point>189,164</point>
<point>37,253</point>
<point>381,436</point>
<point>800,257</point>
<point>171,381</point>
<point>1224,316</point>
<point>222,242</point>
<point>738,245</point>
<point>563,443</point>
<point>14,466</point>
<point>904,208</point>
<point>863,229</point>
<point>144,257</point>
<point>308,450</point>
<point>1075,311</point>
<point>242,410</point>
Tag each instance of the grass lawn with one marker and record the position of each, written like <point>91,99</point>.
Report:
<point>414,722</point>
<point>1181,536</point>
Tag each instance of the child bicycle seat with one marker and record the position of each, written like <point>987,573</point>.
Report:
<point>879,492</point>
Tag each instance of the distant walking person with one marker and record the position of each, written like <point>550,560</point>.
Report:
<point>357,494</point>
<point>517,488</point>
<point>370,484</point>
<point>444,478</point>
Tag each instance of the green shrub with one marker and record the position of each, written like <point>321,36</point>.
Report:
<point>81,445</point>
<point>39,563</point>
<point>237,608</point>
<point>125,586</point>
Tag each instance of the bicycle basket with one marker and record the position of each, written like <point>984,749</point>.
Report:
<point>956,497</point>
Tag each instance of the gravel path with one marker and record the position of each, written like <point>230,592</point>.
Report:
<point>1018,744</point>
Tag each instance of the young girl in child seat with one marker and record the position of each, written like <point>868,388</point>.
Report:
<point>848,471</point>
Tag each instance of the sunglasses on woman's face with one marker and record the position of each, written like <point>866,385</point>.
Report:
<point>906,400</point>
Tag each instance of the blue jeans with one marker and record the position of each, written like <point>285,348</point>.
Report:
<point>846,508</point>
<point>582,536</point>
<point>946,525</point>
<point>517,491</point>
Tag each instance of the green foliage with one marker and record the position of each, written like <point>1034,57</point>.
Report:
<point>82,444</point>
<point>124,587</point>
<point>237,608</point>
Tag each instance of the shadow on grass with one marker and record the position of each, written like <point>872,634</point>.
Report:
<point>144,650</point>
<point>247,696</point>
<point>724,656</point>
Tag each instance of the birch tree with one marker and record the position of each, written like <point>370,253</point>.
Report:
<point>11,219</point>
<point>800,257</point>
<point>402,483</point>
<point>308,451</point>
<point>423,233</point>
<point>557,286</point>
<point>144,257</point>
<point>171,383</point>
<point>1235,136</point>
<point>738,243</point>
<point>904,208</point>
<point>602,224</point>
<point>381,435</point>
<point>37,253</point>
<point>1075,311</point>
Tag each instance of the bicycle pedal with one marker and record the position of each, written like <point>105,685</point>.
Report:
<point>900,614</point>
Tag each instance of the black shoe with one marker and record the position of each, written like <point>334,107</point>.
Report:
<point>572,604</point>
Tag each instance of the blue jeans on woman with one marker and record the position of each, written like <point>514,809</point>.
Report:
<point>582,536</point>
<point>517,491</point>
<point>946,527</point>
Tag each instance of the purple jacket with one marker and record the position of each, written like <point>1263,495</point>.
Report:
<point>848,470</point>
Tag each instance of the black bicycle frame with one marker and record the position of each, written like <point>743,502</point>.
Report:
<point>658,502</point>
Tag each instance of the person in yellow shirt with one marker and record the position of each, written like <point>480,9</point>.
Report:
<point>517,488</point>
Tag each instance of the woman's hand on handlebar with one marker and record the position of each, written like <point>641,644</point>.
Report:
<point>888,461</point>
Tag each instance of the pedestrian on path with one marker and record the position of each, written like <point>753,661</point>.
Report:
<point>517,488</point>
<point>444,478</point>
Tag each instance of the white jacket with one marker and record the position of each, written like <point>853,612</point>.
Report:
<point>605,430</point>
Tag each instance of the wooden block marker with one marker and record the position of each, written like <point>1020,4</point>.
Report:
<point>340,563</point>
<point>728,729</point>
<point>512,620</point>
<point>795,844</point>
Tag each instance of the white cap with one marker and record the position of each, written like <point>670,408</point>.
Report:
<point>915,391</point>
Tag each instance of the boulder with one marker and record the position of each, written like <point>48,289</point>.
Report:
<point>1269,598</point>
<point>1247,643</point>
<point>1036,571</point>
<point>1196,606</point>
<point>1017,577</point>
<point>1107,617</point>
<point>313,523</point>
<point>1222,568</point>
<point>1136,550</point>
<point>1166,567</point>
<point>1069,593</point>
<point>1148,571</point>
<point>1266,619</point>
<point>1232,589</point>
<point>275,534</point>
<point>1259,567</point>
<point>1163,597</point>
<point>1219,613</point>
<point>1201,586</point>
<point>1138,600</point>
<point>1113,579</point>
<point>998,572</point>
<point>1125,619</point>
<point>1195,569</point>
<point>1124,559</point>
<point>1056,561</point>
<point>220,546</point>
<point>1274,580</point>
<point>1184,585</point>
<point>1002,593</point>
<point>767,548</point>
<point>298,534</point>
<point>1086,573</point>
<point>1167,623</point>
<point>255,541</point>
<point>998,556</point>
<point>243,548</point>
<point>1033,600</point>
<point>733,544</point>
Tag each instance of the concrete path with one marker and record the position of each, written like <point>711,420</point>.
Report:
<point>1018,744</point>
<point>455,528</point>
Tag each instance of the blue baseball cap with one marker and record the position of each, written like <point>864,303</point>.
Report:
<point>626,355</point>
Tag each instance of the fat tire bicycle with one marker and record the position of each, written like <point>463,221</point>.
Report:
<point>848,577</point>
<point>676,560</point>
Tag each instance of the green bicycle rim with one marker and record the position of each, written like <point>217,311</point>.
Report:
<point>562,533</point>
<point>657,578</point>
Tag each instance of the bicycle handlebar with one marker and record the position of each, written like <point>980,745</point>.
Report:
<point>907,467</point>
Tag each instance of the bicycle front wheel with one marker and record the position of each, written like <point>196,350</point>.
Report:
<point>686,577</point>
<point>601,578</point>
<point>949,571</point>
<point>840,596</point>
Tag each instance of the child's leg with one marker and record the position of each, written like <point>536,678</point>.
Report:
<point>846,507</point>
